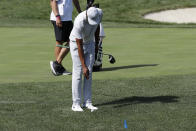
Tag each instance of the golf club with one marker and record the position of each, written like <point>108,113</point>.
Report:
<point>111,58</point>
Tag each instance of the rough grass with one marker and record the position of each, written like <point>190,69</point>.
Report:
<point>157,104</point>
<point>126,11</point>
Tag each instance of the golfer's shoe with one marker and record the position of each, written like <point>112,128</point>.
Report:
<point>90,107</point>
<point>77,108</point>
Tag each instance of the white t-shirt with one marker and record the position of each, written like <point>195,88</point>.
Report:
<point>82,30</point>
<point>65,8</point>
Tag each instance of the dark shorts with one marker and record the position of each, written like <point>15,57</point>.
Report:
<point>62,33</point>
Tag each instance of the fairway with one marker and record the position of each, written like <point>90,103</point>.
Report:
<point>139,52</point>
<point>152,85</point>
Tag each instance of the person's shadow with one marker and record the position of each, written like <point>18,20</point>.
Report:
<point>139,100</point>
<point>126,67</point>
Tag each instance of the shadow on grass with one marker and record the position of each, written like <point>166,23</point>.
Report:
<point>126,67</point>
<point>139,100</point>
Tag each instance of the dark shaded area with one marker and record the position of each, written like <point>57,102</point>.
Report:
<point>140,100</point>
<point>126,67</point>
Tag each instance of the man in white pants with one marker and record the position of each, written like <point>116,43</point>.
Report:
<point>82,48</point>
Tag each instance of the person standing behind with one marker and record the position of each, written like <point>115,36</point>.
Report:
<point>61,18</point>
<point>82,48</point>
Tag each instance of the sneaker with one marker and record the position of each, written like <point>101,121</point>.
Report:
<point>65,72</point>
<point>58,69</point>
<point>55,67</point>
<point>90,107</point>
<point>77,108</point>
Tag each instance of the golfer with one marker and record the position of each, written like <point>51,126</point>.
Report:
<point>61,18</point>
<point>82,48</point>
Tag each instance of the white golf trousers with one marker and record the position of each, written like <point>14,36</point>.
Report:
<point>77,73</point>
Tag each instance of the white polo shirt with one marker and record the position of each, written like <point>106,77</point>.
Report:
<point>82,30</point>
<point>65,8</point>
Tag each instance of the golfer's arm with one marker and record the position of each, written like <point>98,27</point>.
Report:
<point>79,43</point>
<point>77,5</point>
<point>54,7</point>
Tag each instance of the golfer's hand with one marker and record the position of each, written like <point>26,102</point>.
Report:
<point>58,22</point>
<point>86,72</point>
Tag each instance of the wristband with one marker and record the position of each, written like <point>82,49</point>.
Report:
<point>58,16</point>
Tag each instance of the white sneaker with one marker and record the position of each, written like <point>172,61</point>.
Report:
<point>76,108</point>
<point>66,73</point>
<point>91,107</point>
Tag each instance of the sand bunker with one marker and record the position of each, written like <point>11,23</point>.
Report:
<point>187,15</point>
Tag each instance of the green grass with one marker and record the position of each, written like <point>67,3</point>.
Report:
<point>151,85</point>
<point>154,104</point>
<point>37,12</point>
<point>26,53</point>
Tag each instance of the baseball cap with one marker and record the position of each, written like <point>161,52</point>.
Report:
<point>94,15</point>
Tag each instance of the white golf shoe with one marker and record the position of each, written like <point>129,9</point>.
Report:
<point>90,107</point>
<point>77,108</point>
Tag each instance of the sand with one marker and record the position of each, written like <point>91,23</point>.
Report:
<point>186,15</point>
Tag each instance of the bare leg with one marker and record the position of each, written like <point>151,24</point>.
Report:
<point>62,54</point>
<point>57,50</point>
<point>56,66</point>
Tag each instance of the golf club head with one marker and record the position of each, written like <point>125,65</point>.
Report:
<point>89,3</point>
<point>111,59</point>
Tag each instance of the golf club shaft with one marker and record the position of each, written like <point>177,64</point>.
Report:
<point>106,54</point>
